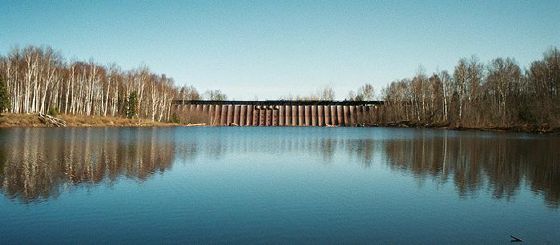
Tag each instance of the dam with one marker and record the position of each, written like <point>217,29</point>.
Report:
<point>280,112</point>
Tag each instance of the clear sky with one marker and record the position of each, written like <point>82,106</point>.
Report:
<point>268,49</point>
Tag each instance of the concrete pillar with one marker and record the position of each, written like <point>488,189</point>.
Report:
<point>346,113</point>
<point>217,113</point>
<point>188,110</point>
<point>205,108</point>
<point>334,115</point>
<point>339,116</point>
<point>255,120</point>
<point>255,116</point>
<point>327,112</point>
<point>369,114</point>
<point>275,116</point>
<point>184,109</point>
<point>268,116</point>
<point>236,112</point>
<point>223,115</point>
<point>352,115</point>
<point>327,115</point>
<point>301,115</point>
<point>262,116</point>
<point>249,116</point>
<point>288,115</point>
<point>281,115</point>
<point>229,115</point>
<point>376,115</point>
<point>295,115</point>
<point>242,115</point>
<point>211,114</point>
<point>307,115</point>
<point>358,114</point>
<point>325,109</point>
<point>320,115</point>
<point>314,115</point>
<point>197,110</point>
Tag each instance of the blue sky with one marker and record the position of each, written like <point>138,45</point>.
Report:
<point>268,49</point>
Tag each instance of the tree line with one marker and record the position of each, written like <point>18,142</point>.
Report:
<point>39,80</point>
<point>364,93</point>
<point>497,94</point>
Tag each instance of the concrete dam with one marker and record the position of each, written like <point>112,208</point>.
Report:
<point>280,112</point>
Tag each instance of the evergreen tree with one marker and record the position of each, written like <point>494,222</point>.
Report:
<point>132,111</point>
<point>4,99</point>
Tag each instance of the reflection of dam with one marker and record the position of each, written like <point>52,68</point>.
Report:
<point>282,112</point>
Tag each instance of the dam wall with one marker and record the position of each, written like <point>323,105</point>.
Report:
<point>279,112</point>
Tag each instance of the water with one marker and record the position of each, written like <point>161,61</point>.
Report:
<point>277,185</point>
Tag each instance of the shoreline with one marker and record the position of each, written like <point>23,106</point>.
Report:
<point>10,120</point>
<point>530,129</point>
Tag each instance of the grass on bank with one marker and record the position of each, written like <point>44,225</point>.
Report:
<point>32,120</point>
<point>11,120</point>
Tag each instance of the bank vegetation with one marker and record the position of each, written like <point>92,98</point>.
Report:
<point>497,94</point>
<point>40,80</point>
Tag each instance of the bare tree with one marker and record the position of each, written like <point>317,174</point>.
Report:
<point>39,80</point>
<point>215,95</point>
<point>365,92</point>
<point>327,94</point>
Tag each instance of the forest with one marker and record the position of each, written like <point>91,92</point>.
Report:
<point>39,80</point>
<point>498,94</point>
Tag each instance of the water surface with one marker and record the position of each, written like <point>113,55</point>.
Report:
<point>277,185</point>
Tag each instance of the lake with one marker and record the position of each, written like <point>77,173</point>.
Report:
<point>277,185</point>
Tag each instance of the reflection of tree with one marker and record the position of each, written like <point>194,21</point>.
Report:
<point>327,148</point>
<point>499,163</point>
<point>41,162</point>
<point>363,149</point>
